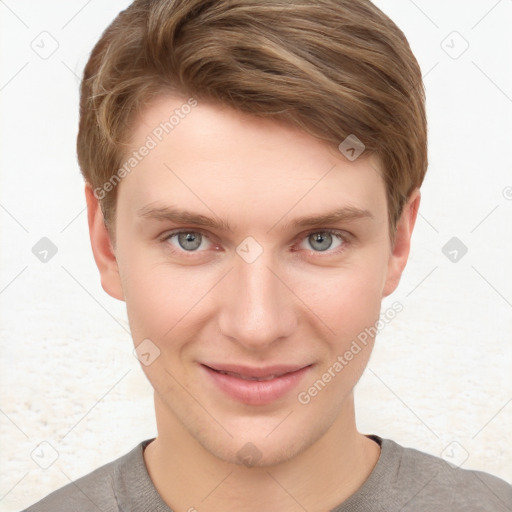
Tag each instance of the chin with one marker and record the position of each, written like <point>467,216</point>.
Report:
<point>255,448</point>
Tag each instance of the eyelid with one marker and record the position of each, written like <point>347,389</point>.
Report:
<point>344,236</point>
<point>168,234</point>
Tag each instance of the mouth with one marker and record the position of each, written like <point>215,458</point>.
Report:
<point>246,377</point>
<point>255,373</point>
<point>255,386</point>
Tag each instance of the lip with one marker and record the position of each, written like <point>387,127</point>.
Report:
<point>247,371</point>
<point>254,392</point>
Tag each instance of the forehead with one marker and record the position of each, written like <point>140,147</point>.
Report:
<point>207,154</point>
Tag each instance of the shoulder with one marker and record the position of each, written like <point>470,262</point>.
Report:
<point>95,491</point>
<point>425,482</point>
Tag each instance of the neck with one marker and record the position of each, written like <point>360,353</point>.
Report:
<point>325,474</point>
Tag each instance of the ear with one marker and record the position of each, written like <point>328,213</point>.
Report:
<point>104,254</point>
<point>402,244</point>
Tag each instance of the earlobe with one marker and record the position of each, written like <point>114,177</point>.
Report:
<point>400,250</point>
<point>102,249</point>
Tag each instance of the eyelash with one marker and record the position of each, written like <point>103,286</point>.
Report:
<point>341,235</point>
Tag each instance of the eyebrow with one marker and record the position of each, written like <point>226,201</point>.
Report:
<point>182,216</point>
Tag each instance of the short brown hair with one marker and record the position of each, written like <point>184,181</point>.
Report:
<point>332,67</point>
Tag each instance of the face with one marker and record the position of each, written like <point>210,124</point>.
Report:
<point>225,264</point>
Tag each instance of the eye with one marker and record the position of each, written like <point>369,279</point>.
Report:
<point>188,241</point>
<point>322,241</point>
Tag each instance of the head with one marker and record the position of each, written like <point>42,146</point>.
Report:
<point>259,118</point>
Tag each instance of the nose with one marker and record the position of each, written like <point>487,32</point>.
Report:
<point>257,306</point>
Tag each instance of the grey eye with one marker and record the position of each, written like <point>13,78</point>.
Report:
<point>189,241</point>
<point>320,241</point>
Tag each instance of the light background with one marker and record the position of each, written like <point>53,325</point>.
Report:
<point>439,379</point>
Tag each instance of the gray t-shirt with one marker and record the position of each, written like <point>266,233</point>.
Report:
<point>403,479</point>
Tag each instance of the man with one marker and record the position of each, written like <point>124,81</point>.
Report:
<point>252,179</point>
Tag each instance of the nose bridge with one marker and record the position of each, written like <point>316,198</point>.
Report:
<point>257,307</point>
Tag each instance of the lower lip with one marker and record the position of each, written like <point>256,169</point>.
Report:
<point>254,392</point>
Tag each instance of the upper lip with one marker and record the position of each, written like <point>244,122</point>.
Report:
<point>246,371</point>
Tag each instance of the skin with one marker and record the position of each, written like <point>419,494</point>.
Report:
<point>294,304</point>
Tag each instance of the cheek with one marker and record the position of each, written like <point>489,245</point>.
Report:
<point>346,299</point>
<point>154,301</point>
<point>348,304</point>
<point>161,300</point>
